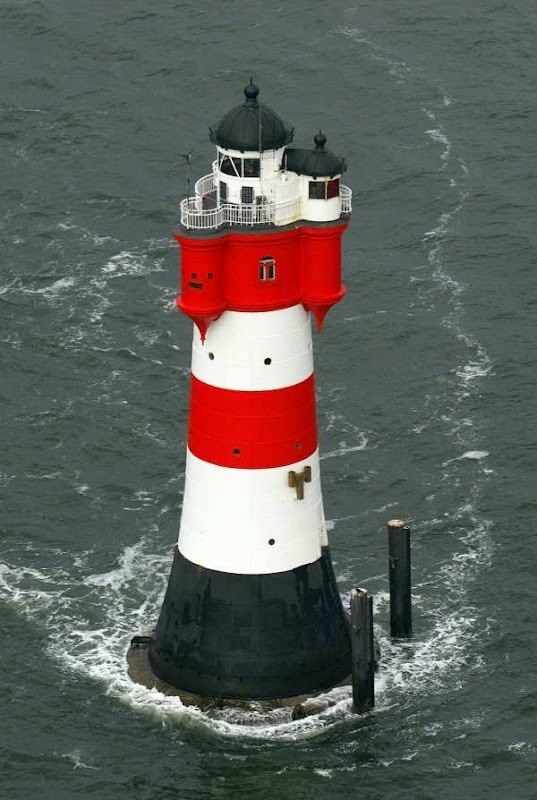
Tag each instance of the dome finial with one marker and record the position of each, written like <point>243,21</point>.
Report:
<point>250,92</point>
<point>320,141</point>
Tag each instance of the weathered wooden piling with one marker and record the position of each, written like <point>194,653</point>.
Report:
<point>400,579</point>
<point>362,649</point>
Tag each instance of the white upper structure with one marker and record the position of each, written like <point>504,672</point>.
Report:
<point>258,179</point>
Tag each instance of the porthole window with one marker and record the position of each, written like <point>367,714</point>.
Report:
<point>267,269</point>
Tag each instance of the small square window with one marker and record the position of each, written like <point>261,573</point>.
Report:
<point>317,190</point>
<point>332,188</point>
<point>251,167</point>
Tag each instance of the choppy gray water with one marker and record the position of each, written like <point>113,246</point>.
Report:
<point>425,373</point>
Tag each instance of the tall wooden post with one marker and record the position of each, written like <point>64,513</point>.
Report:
<point>400,579</point>
<point>362,650</point>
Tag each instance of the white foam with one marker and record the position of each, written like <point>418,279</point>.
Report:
<point>469,455</point>
<point>27,110</point>
<point>438,135</point>
<point>129,263</point>
<point>83,233</point>
<point>53,290</point>
<point>524,749</point>
<point>475,455</point>
<point>324,773</point>
<point>76,757</point>
<point>126,599</point>
<point>397,68</point>
<point>468,373</point>
<point>344,448</point>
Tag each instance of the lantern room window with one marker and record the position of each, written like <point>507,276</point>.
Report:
<point>251,167</point>
<point>267,269</point>
<point>239,167</point>
<point>231,166</point>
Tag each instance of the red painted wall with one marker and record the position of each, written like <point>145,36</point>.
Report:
<point>223,272</point>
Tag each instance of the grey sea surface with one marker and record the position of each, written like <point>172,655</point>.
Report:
<point>425,373</point>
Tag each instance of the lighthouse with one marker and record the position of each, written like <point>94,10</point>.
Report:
<point>252,609</point>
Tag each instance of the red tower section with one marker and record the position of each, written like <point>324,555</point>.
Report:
<point>261,272</point>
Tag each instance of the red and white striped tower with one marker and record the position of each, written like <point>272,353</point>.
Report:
<point>252,608</point>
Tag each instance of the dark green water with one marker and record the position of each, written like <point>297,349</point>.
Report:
<point>426,382</point>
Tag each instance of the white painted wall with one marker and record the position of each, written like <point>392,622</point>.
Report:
<point>230,515</point>
<point>240,342</point>
<point>318,210</point>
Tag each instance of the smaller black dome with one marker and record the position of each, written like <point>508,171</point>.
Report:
<point>251,126</point>
<point>319,163</point>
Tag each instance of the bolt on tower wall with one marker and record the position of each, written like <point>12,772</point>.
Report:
<point>252,608</point>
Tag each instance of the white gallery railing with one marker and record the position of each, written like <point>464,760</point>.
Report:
<point>194,215</point>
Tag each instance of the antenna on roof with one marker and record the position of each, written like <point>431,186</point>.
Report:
<point>260,144</point>
<point>188,159</point>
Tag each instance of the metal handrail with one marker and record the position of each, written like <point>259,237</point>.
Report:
<point>346,199</point>
<point>194,216</point>
<point>205,185</point>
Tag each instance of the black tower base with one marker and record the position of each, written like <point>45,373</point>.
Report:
<point>251,637</point>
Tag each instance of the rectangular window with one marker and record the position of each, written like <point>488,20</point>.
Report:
<point>247,194</point>
<point>332,188</point>
<point>317,190</point>
<point>324,190</point>
<point>251,167</point>
<point>223,192</point>
<point>267,269</point>
<point>231,166</point>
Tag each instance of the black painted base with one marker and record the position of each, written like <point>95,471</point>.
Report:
<point>251,636</point>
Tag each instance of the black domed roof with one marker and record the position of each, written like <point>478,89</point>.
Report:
<point>319,162</point>
<point>251,124</point>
